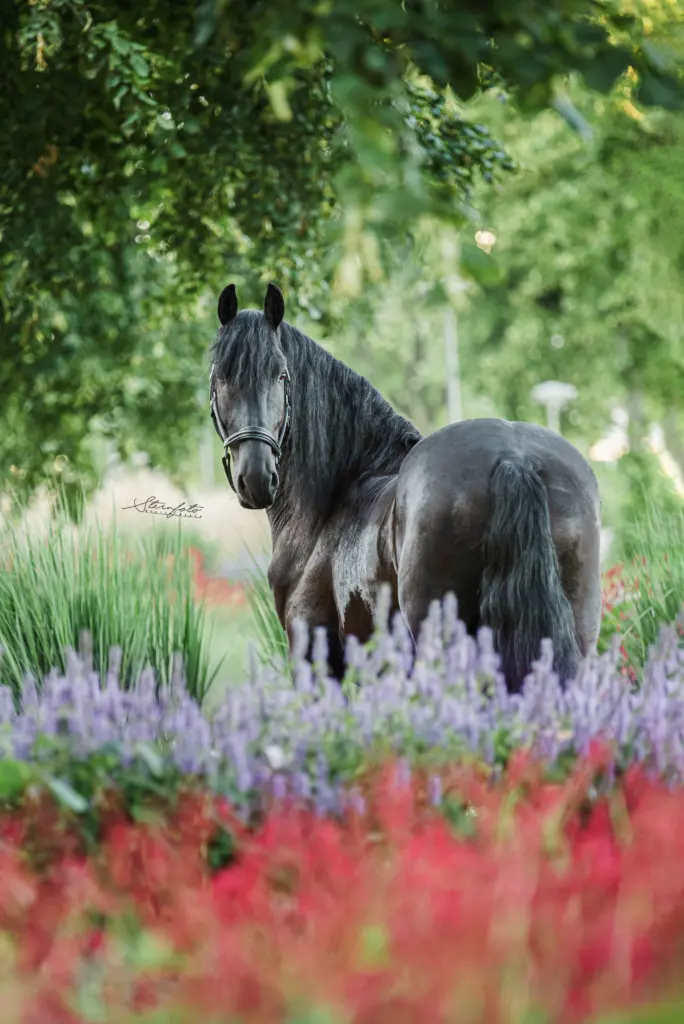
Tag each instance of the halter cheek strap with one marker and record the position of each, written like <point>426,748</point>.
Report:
<point>249,433</point>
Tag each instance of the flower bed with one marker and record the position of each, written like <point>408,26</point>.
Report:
<point>310,737</point>
<point>416,845</point>
<point>523,900</point>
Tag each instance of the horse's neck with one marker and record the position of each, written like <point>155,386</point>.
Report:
<point>296,524</point>
<point>295,530</point>
<point>296,536</point>
<point>293,533</point>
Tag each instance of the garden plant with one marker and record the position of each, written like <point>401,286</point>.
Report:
<point>416,843</point>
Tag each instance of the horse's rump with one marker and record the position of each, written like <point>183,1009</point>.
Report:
<point>505,516</point>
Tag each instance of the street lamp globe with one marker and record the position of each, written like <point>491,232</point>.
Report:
<point>553,394</point>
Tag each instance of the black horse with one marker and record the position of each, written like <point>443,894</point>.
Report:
<point>504,515</point>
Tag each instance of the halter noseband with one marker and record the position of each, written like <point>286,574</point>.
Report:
<point>249,433</point>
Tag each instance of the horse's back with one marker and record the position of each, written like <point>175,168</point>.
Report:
<point>465,454</point>
<point>449,472</point>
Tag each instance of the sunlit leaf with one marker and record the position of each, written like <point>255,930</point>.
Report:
<point>68,796</point>
<point>478,265</point>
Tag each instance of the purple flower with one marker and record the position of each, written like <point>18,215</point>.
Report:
<point>311,736</point>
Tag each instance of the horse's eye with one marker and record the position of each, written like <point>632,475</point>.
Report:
<point>282,377</point>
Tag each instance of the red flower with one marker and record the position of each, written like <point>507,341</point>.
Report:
<point>559,902</point>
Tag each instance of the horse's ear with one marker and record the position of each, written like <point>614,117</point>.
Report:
<point>227,304</point>
<point>274,307</point>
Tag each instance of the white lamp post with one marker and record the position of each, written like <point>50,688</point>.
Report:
<point>553,394</point>
<point>453,371</point>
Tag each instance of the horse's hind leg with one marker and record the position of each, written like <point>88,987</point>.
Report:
<point>580,563</point>
<point>432,563</point>
<point>417,594</point>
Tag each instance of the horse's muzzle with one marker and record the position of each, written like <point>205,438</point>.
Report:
<point>257,486</point>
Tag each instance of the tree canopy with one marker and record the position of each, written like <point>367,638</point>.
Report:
<point>591,259</point>
<point>149,153</point>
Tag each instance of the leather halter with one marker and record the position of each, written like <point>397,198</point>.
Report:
<point>249,433</point>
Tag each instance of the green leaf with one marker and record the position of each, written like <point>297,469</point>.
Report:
<point>277,94</point>
<point>460,816</point>
<point>167,123</point>
<point>602,73</point>
<point>13,777</point>
<point>668,1013</point>
<point>374,950</point>
<point>140,66</point>
<point>660,91</point>
<point>151,758</point>
<point>316,1015</point>
<point>588,34</point>
<point>221,849</point>
<point>145,815</point>
<point>478,265</point>
<point>120,43</point>
<point>68,796</point>
<point>429,58</point>
<point>150,952</point>
<point>624,21</point>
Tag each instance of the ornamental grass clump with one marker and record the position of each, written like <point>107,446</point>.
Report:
<point>271,639</point>
<point>137,594</point>
<point>645,590</point>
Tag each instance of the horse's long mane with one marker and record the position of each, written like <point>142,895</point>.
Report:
<point>343,432</point>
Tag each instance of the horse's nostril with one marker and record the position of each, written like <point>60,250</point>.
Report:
<point>257,486</point>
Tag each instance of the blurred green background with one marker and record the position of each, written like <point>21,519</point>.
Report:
<point>460,200</point>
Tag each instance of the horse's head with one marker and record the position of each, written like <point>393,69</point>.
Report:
<point>249,395</point>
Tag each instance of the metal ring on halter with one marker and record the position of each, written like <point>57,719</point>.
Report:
<point>249,433</point>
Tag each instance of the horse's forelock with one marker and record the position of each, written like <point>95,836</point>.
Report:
<point>245,351</point>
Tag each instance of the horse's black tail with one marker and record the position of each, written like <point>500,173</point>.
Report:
<point>521,597</point>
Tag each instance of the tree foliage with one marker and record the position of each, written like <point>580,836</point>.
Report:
<point>151,152</point>
<point>592,272</point>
